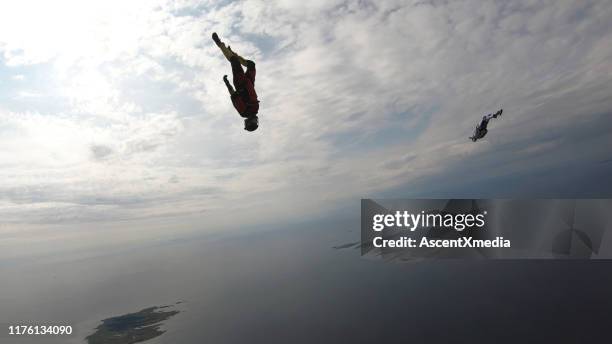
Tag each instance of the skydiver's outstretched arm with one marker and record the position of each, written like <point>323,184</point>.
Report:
<point>230,89</point>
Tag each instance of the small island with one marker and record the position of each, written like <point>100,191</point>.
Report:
<point>133,327</point>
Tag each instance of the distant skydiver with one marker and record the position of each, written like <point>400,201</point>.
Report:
<point>243,96</point>
<point>481,129</point>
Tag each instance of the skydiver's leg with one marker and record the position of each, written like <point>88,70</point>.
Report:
<point>227,50</point>
<point>250,72</point>
<point>237,72</point>
<point>242,60</point>
<point>486,119</point>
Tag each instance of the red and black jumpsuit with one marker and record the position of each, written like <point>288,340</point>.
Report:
<point>245,98</point>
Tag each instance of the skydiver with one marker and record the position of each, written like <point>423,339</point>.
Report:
<point>481,129</point>
<point>244,97</point>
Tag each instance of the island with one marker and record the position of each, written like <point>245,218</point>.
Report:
<point>133,327</point>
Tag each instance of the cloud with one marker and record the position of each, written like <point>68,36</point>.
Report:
<point>357,98</point>
<point>99,152</point>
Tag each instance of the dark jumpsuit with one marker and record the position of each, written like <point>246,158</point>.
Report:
<point>245,98</point>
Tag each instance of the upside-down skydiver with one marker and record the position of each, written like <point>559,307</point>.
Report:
<point>243,93</point>
<point>481,128</point>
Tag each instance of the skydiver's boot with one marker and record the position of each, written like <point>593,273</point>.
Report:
<point>227,52</point>
<point>215,38</point>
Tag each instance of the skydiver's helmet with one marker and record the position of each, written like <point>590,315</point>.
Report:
<point>251,123</point>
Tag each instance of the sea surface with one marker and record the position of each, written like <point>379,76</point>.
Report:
<point>303,284</point>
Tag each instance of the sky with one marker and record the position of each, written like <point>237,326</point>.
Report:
<point>113,114</point>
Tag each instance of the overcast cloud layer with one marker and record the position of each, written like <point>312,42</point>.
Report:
<point>115,110</point>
